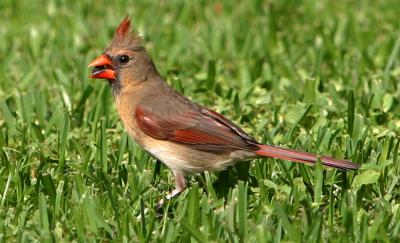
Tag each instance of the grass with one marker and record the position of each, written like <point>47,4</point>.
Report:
<point>319,76</point>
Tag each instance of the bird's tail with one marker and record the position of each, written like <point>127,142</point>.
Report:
<point>303,157</point>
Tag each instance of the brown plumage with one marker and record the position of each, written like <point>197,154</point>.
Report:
<point>185,136</point>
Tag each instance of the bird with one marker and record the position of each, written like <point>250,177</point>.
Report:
<point>187,137</point>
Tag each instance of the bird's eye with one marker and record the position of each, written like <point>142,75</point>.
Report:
<point>123,59</point>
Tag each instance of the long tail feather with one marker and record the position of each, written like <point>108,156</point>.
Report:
<point>303,157</point>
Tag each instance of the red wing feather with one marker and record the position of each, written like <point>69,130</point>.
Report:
<point>195,129</point>
<point>149,126</point>
<point>193,136</point>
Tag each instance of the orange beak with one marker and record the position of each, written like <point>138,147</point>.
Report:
<point>102,68</point>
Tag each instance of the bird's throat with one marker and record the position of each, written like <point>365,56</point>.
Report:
<point>115,86</point>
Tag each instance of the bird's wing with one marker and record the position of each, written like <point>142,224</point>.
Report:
<point>200,128</point>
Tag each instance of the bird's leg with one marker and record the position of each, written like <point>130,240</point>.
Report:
<point>180,185</point>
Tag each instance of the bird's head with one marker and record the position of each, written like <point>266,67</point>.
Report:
<point>125,60</point>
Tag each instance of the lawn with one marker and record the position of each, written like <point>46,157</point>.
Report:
<point>318,76</point>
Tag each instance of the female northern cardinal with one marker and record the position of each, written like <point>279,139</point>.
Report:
<point>185,136</point>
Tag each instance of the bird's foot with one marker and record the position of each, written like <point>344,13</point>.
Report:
<point>174,193</point>
<point>180,185</point>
